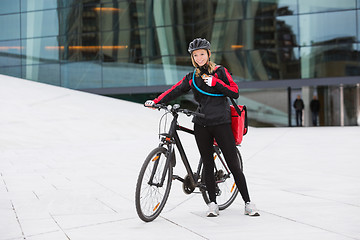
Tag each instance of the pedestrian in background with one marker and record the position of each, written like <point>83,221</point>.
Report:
<point>299,107</point>
<point>315,108</point>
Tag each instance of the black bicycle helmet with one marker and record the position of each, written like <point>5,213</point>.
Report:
<point>199,43</point>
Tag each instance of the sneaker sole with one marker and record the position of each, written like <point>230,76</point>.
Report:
<point>212,215</point>
<point>253,215</point>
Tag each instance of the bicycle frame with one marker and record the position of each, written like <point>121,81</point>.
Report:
<point>172,138</point>
<point>184,158</point>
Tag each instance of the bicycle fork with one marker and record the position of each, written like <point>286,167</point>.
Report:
<point>169,158</point>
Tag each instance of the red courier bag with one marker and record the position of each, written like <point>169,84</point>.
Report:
<point>239,123</point>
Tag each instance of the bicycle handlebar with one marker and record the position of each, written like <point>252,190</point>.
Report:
<point>176,108</point>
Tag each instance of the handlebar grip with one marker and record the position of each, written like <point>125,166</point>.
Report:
<point>157,106</point>
<point>201,115</point>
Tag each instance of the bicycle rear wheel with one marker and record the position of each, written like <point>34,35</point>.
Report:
<point>153,185</point>
<point>226,190</point>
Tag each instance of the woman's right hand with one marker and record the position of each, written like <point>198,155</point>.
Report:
<point>149,103</point>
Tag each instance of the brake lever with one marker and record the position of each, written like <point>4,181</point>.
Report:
<point>187,112</point>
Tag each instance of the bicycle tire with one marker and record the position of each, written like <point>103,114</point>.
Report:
<point>150,199</point>
<point>228,190</point>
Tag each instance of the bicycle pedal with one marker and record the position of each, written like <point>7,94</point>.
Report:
<point>176,177</point>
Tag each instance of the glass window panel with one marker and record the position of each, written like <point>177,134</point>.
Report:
<point>276,32</point>
<point>90,17</point>
<point>9,6</point>
<point>44,73</point>
<point>120,15</point>
<point>126,44</point>
<point>10,27</point>
<point>112,72</point>
<point>351,105</point>
<point>203,11</point>
<point>83,19</point>
<point>140,13</point>
<point>272,64</point>
<point>327,28</point>
<point>264,32</point>
<point>155,74</point>
<point>11,71</point>
<point>67,3</point>
<point>10,53</point>
<point>187,11</point>
<point>71,20</point>
<point>309,6</point>
<point>234,61</point>
<point>172,12</point>
<point>266,107</point>
<point>33,5</point>
<point>271,8</point>
<point>234,9</point>
<point>226,36</point>
<point>40,50</point>
<point>184,61</point>
<point>117,16</point>
<point>163,13</point>
<point>358,24</point>
<point>39,24</point>
<point>164,41</point>
<point>81,75</point>
<point>83,47</point>
<point>287,31</point>
<point>204,30</point>
<point>330,61</point>
<point>160,72</point>
<point>89,1</point>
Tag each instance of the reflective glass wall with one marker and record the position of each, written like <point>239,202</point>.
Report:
<point>101,44</point>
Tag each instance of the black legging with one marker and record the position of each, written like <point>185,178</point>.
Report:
<point>224,137</point>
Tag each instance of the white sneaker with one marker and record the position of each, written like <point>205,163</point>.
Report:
<point>250,209</point>
<point>213,210</point>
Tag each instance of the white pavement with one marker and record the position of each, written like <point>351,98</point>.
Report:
<point>69,163</point>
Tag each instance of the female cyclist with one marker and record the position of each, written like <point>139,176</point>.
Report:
<point>216,124</point>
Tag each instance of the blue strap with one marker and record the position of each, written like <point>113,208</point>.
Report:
<point>203,92</point>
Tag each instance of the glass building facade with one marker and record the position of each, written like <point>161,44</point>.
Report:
<point>275,49</point>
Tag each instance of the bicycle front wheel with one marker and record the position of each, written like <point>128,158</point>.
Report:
<point>226,190</point>
<point>153,184</point>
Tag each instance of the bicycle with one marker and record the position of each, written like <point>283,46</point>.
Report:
<point>156,174</point>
